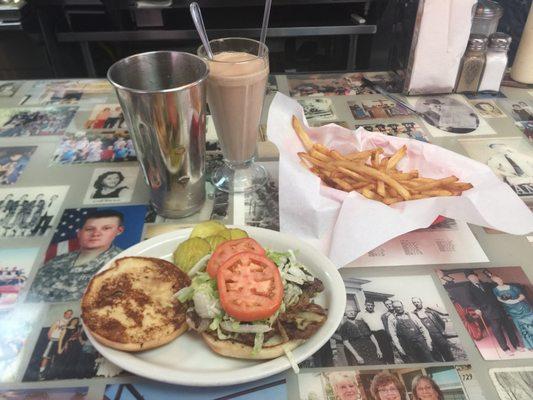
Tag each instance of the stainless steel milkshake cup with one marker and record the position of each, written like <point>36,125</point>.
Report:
<point>163,98</point>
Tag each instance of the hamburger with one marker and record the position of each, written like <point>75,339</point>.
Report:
<point>251,303</point>
<point>131,306</point>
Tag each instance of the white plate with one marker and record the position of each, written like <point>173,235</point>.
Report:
<point>189,361</point>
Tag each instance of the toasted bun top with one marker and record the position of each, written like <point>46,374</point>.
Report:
<point>132,302</point>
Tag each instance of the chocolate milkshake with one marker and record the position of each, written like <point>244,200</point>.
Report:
<point>235,92</point>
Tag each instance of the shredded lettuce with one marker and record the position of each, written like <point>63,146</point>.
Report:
<point>206,302</point>
<point>258,342</point>
<point>215,323</point>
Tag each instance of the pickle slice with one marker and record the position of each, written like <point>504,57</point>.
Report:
<point>207,228</point>
<point>215,240</point>
<point>190,252</point>
<point>237,233</point>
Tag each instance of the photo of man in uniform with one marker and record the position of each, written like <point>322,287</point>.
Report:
<point>64,277</point>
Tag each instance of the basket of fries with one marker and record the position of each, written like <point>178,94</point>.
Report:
<point>349,192</point>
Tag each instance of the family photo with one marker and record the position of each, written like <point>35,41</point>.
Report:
<point>81,147</point>
<point>106,117</point>
<point>511,159</point>
<point>518,110</point>
<point>13,160</point>
<point>35,121</point>
<point>393,320</point>
<point>432,383</point>
<point>408,130</point>
<point>495,306</point>
<point>377,109</point>
<point>111,185</point>
<point>85,240</point>
<point>63,350</point>
<point>29,211</point>
<point>15,268</point>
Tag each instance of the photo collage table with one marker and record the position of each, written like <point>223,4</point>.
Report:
<point>449,306</point>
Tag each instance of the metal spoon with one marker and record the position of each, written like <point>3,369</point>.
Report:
<point>196,15</point>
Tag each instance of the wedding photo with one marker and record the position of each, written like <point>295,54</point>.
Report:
<point>63,350</point>
<point>495,306</point>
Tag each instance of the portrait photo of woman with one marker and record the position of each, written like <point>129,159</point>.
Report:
<point>425,388</point>
<point>111,185</point>
<point>386,386</point>
<point>344,385</point>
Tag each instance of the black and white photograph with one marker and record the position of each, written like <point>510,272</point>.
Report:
<point>63,393</point>
<point>50,121</point>
<point>261,206</point>
<point>391,320</point>
<point>9,88</point>
<point>519,110</point>
<point>82,148</point>
<point>106,118</point>
<point>429,383</point>
<point>13,160</point>
<point>318,109</point>
<point>63,350</point>
<point>513,383</point>
<point>377,109</point>
<point>111,185</point>
<point>487,108</point>
<point>495,306</point>
<point>211,138</point>
<point>450,116</point>
<point>15,268</point>
<point>527,129</point>
<point>408,130</point>
<point>84,241</point>
<point>30,211</point>
<point>510,158</point>
<point>272,85</point>
<point>17,324</point>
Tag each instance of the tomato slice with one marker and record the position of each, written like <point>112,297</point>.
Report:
<point>249,286</point>
<point>227,249</point>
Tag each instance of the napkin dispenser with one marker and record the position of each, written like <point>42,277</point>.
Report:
<point>440,36</point>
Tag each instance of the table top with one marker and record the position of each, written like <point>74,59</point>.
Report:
<point>54,147</point>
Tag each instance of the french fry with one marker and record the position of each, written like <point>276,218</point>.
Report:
<point>396,157</point>
<point>302,134</point>
<point>372,173</point>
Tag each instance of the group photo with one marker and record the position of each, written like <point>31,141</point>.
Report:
<point>15,268</point>
<point>408,130</point>
<point>431,383</point>
<point>82,147</point>
<point>29,211</point>
<point>395,320</point>
<point>106,117</point>
<point>377,109</point>
<point>36,121</point>
<point>495,306</point>
<point>63,350</point>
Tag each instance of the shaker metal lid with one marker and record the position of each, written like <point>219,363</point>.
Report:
<point>488,9</point>
<point>499,40</point>
<point>477,42</point>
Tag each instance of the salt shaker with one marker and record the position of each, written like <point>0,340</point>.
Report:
<point>472,64</point>
<point>496,62</point>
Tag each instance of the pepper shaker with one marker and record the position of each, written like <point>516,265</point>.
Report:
<point>472,64</point>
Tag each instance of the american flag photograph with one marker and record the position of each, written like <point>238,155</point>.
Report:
<point>65,238</point>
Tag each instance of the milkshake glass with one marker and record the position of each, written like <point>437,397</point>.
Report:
<point>235,92</point>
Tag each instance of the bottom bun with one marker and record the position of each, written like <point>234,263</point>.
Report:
<point>230,348</point>
<point>161,340</point>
